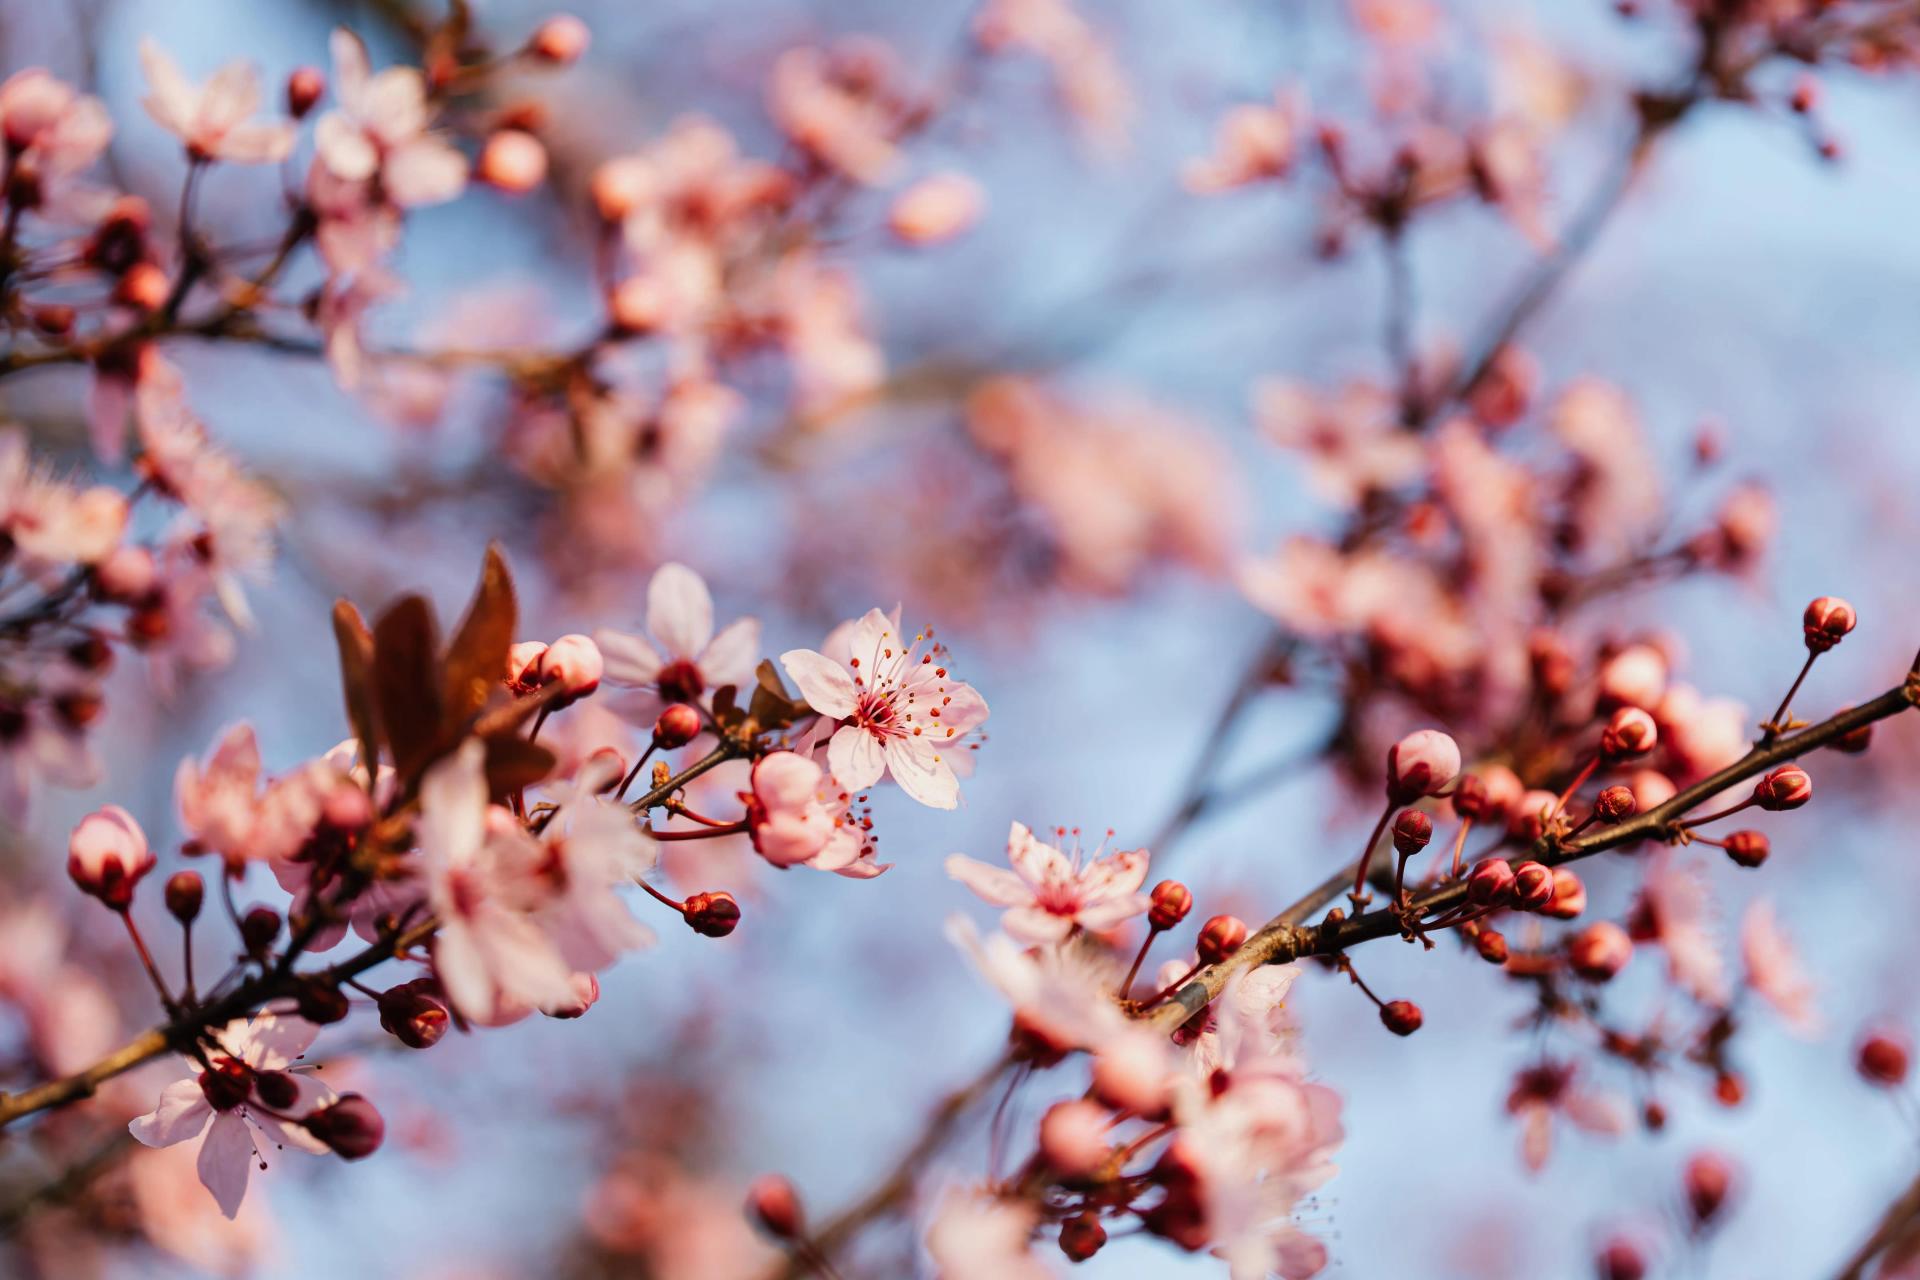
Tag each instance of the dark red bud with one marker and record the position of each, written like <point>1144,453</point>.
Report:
<point>320,1003</point>
<point>1402,1017</point>
<point>1882,1059</point>
<point>1220,937</point>
<point>1082,1236</point>
<point>1532,886</point>
<point>1412,830</point>
<point>277,1089</point>
<point>1748,848</point>
<point>1708,1180</point>
<point>713,914</point>
<point>1827,621</point>
<point>678,725</point>
<point>351,1127</point>
<point>1491,882</point>
<point>184,893</point>
<point>774,1206</point>
<point>1614,803</point>
<point>1492,946</point>
<point>258,928</point>
<point>1171,901</point>
<point>304,88</point>
<point>412,1016</point>
<point>1787,787</point>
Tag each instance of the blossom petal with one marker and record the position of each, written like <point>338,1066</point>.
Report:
<point>825,684</point>
<point>347,152</point>
<point>1115,875</point>
<point>999,887</point>
<point>1034,860</point>
<point>1031,924</point>
<point>172,99</point>
<point>679,610</point>
<point>181,1113</point>
<point>922,774</point>
<point>856,758</point>
<point>270,1042</point>
<point>1111,911</point>
<point>629,659</point>
<point>226,1158</point>
<point>731,656</point>
<point>424,171</point>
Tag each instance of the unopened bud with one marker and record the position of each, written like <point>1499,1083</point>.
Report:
<point>513,160</point>
<point>1532,886</point>
<point>1492,946</point>
<point>351,1127</point>
<point>1421,764</point>
<point>574,663</point>
<point>1787,787</point>
<point>55,319</point>
<point>1631,732</point>
<point>1708,1180</point>
<point>1854,741</point>
<point>258,928</point>
<point>1621,1259</point>
<point>560,40</point>
<point>678,725</point>
<point>107,855</point>
<point>1748,848</point>
<point>1402,1017</point>
<point>320,1003</point>
<point>184,893</point>
<point>1729,1090</point>
<point>774,1206</point>
<point>1082,1236</point>
<point>1827,621</point>
<point>304,89</point>
<point>144,287</point>
<point>1599,951</point>
<point>277,1089</point>
<point>1489,794</point>
<point>1615,802</point>
<point>1490,883</point>
<point>1170,903</point>
<point>1220,937</point>
<point>713,914</point>
<point>1882,1059</point>
<point>1073,1138</point>
<point>1569,896</point>
<point>1411,832</point>
<point>413,1017</point>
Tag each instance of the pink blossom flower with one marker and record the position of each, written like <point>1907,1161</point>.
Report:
<point>1062,999</point>
<point>795,817</point>
<point>380,128</point>
<point>178,1218</point>
<point>1353,439</point>
<point>212,119</point>
<point>1048,895</point>
<point>52,524</point>
<point>900,710</point>
<point>1701,734</point>
<point>1253,143</point>
<point>587,850</point>
<point>1774,971</point>
<point>223,1104</point>
<point>1086,75</point>
<point>107,855</point>
<point>1549,1089</point>
<point>52,132</point>
<point>220,800</point>
<point>1674,909</point>
<point>976,1236</point>
<point>685,658</point>
<point>836,107</point>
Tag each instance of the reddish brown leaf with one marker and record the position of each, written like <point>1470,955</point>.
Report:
<point>356,679</point>
<point>407,682</point>
<point>514,764</point>
<point>477,656</point>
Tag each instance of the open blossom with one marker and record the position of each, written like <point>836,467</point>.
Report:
<point>1352,439</point>
<point>51,524</point>
<point>380,128</point>
<point>835,104</point>
<point>1552,1088</point>
<point>223,1102</point>
<point>1061,999</point>
<point>220,800</point>
<point>1048,895</point>
<point>1675,910</point>
<point>212,119</point>
<point>936,209</point>
<point>976,1236</point>
<point>589,848</point>
<point>685,658</point>
<point>1253,142</point>
<point>1773,969</point>
<point>52,132</point>
<point>797,816</point>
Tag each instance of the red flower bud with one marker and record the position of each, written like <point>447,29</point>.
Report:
<point>1569,896</point>
<point>678,725</point>
<point>1532,886</point>
<point>1854,741</point>
<point>184,893</point>
<point>227,1083</point>
<point>277,1089</point>
<point>351,1127</point>
<point>774,1206</point>
<point>1827,621</point>
<point>1621,1259</point>
<point>1488,795</point>
<point>1402,1017</point>
<point>574,663</point>
<point>412,1016</point>
<point>1599,951</point>
<point>1748,848</point>
<point>1421,764</point>
<point>1708,1181</point>
<point>1631,732</point>
<point>1411,831</point>
<point>1492,946</point>
<point>1490,883</point>
<point>512,160</point>
<point>1171,901</point>
<point>1787,787</point>
<point>713,914</point>
<point>1614,803</point>
<point>1220,937</point>
<point>258,928</point>
<point>304,89</point>
<point>560,40</point>
<point>319,1003</point>
<point>107,855</point>
<point>1882,1059</point>
<point>1082,1236</point>
<point>1729,1090</point>
<point>144,287</point>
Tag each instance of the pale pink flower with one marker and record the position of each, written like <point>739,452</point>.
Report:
<point>588,849</point>
<point>52,524</point>
<point>900,710</point>
<point>1616,493</point>
<point>265,1043</point>
<point>380,127</point>
<point>482,881</point>
<point>344,302</point>
<point>936,209</point>
<point>220,801</point>
<point>1247,1024</point>
<point>976,1236</point>
<point>1552,1088</point>
<point>107,855</point>
<point>1675,910</point>
<point>1086,74</point>
<point>797,816</point>
<point>1254,142</point>
<point>1701,735</point>
<point>184,637</point>
<point>1774,971</point>
<point>52,131</point>
<point>686,658</point>
<point>70,1019</point>
<point>1059,996</point>
<point>1048,895</point>
<point>211,119</point>
<point>818,308</point>
<point>844,120</point>
<point>1634,677</point>
<point>354,230</point>
<point>1353,439</point>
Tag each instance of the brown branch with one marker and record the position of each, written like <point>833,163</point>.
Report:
<point>1898,1222</point>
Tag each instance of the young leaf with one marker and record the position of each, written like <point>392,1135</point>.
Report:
<point>356,680</point>
<point>407,682</point>
<point>477,656</point>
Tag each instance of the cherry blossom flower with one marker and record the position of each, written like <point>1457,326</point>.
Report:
<point>976,1236</point>
<point>1674,909</point>
<point>936,209</point>
<point>1353,440</point>
<point>1060,998</point>
<point>177,1216</point>
<point>223,1103</point>
<point>1773,969</point>
<point>212,119</point>
<point>836,106</point>
<point>899,708</point>
<point>1086,74</point>
<point>589,848</point>
<point>797,817</point>
<point>52,524</point>
<point>52,132</point>
<point>685,659</point>
<point>220,800</point>
<point>1549,1089</point>
<point>1048,895</point>
<point>380,128</point>
<point>1253,143</point>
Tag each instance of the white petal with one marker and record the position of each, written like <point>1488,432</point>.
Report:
<point>995,885</point>
<point>922,774</point>
<point>825,684</point>
<point>679,610</point>
<point>181,1113</point>
<point>226,1158</point>
<point>629,660</point>
<point>855,757</point>
<point>732,655</point>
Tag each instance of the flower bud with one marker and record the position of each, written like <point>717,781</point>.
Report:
<point>1599,951</point>
<point>523,664</point>
<point>258,928</point>
<point>1073,1138</point>
<point>126,576</point>
<point>184,894</point>
<point>1421,764</point>
<point>55,319</point>
<point>1170,903</point>
<point>513,160</point>
<point>412,1016</point>
<point>1631,732</point>
<point>351,1127</point>
<point>107,854</point>
<point>318,1002</point>
<point>573,662</point>
<point>1854,741</point>
<point>774,1206</point>
<point>144,287</point>
<point>1651,788</point>
<point>586,994</point>
<point>1411,832</point>
<point>1621,1259</point>
<point>620,186</point>
<point>277,1089</point>
<point>1708,1180</point>
<point>936,209</point>
<point>1569,896</point>
<point>1787,787</point>
<point>304,89</point>
<point>1827,621</point>
<point>678,725</point>
<point>1082,1236</point>
<point>1220,937</point>
<point>1614,803</point>
<point>1634,677</point>
<point>1402,1017</point>
<point>1882,1059</point>
<point>1532,886</point>
<point>1489,794</point>
<point>560,40</point>
<point>1492,946</point>
<point>1529,818</point>
<point>1748,848</point>
<point>1490,882</point>
<point>713,914</point>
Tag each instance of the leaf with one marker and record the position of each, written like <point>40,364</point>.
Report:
<point>772,706</point>
<point>356,680</point>
<point>477,656</point>
<point>725,711</point>
<point>513,764</point>
<point>406,675</point>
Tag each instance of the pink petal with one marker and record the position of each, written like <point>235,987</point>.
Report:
<point>181,1113</point>
<point>825,684</point>
<point>855,757</point>
<point>679,610</point>
<point>173,98</point>
<point>107,403</point>
<point>350,67</point>
<point>1034,860</point>
<point>732,655</point>
<point>1116,874</point>
<point>922,774</point>
<point>270,1042</point>
<point>1105,915</point>
<point>226,1157</point>
<point>344,149</point>
<point>993,885</point>
<point>424,171</point>
<point>1030,924</point>
<point>257,143</point>
<point>629,660</point>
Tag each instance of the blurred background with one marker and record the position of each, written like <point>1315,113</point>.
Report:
<point>1746,284</point>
